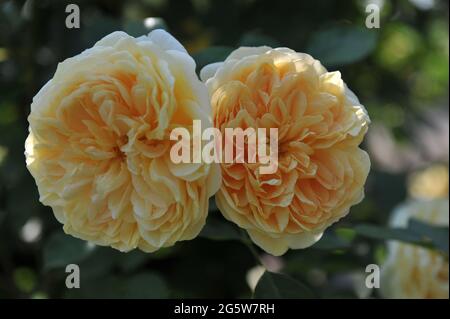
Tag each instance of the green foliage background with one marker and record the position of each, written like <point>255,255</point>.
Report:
<point>399,72</point>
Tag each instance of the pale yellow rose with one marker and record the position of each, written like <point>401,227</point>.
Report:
<point>429,183</point>
<point>321,170</point>
<point>411,271</point>
<point>99,143</point>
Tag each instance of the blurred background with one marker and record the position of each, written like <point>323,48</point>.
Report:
<point>400,72</point>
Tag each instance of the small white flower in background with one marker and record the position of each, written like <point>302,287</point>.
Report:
<point>152,23</point>
<point>31,231</point>
<point>253,276</point>
<point>271,263</point>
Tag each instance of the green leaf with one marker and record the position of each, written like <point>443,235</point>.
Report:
<point>342,45</point>
<point>211,55</point>
<point>346,234</point>
<point>217,229</point>
<point>331,240</point>
<point>385,233</point>
<point>418,233</point>
<point>279,286</point>
<point>25,279</point>
<point>436,235</point>
<point>61,250</point>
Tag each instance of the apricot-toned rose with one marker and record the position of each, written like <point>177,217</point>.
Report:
<point>411,271</point>
<point>321,170</point>
<point>99,143</point>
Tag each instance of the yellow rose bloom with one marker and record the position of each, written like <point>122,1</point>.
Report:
<point>412,272</point>
<point>99,143</point>
<point>321,170</point>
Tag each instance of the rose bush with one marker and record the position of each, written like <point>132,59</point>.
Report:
<point>321,170</point>
<point>99,143</point>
